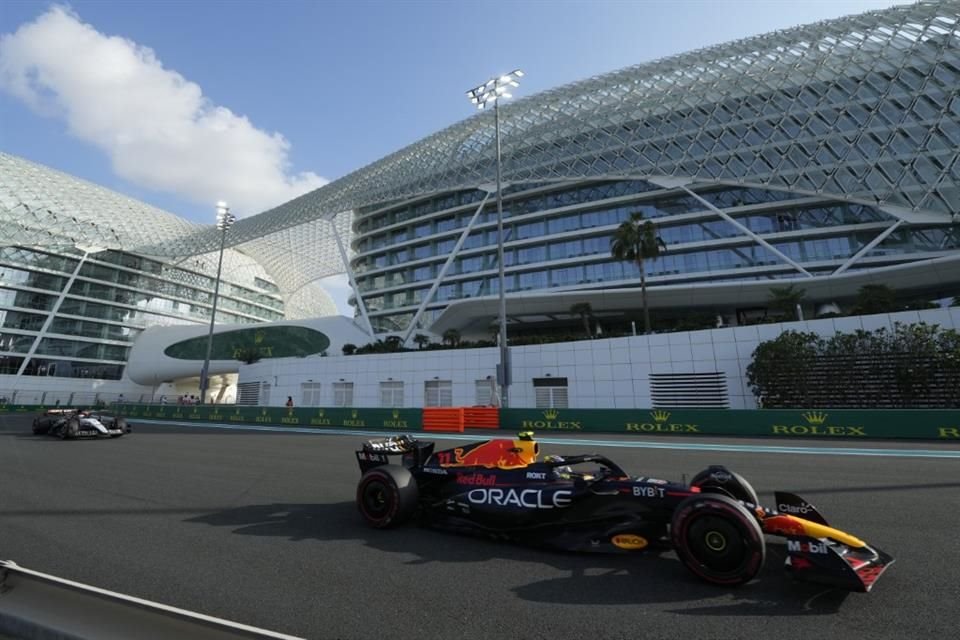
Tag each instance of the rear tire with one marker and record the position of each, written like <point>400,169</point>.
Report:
<point>718,540</point>
<point>387,496</point>
<point>717,479</point>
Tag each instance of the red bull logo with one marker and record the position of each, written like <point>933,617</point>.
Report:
<point>493,454</point>
<point>476,479</point>
<point>784,526</point>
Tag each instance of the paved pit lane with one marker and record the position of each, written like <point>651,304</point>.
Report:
<point>261,528</point>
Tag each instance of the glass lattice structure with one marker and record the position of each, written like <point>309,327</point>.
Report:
<point>71,307</point>
<point>833,146</point>
<point>805,153</point>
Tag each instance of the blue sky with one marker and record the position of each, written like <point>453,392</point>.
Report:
<point>255,101</point>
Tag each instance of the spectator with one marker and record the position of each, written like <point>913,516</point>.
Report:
<point>290,402</point>
<point>120,399</point>
<point>163,399</point>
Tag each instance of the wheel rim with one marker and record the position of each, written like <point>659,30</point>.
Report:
<point>715,541</point>
<point>376,499</point>
<point>717,544</point>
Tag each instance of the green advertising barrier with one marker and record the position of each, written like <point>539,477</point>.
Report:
<point>23,408</point>
<point>811,423</point>
<point>341,418</point>
<point>921,424</point>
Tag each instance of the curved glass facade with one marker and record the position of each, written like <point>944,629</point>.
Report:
<point>558,238</point>
<point>72,315</point>
<point>810,152</point>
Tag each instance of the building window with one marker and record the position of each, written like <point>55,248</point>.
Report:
<point>248,393</point>
<point>550,393</point>
<point>438,393</point>
<point>343,394</point>
<point>391,394</point>
<point>484,392</point>
<point>311,394</point>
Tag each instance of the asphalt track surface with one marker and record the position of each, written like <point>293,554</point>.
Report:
<point>261,528</point>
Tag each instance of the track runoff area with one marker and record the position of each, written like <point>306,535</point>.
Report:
<point>260,527</point>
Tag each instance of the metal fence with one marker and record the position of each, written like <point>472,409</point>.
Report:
<point>71,398</point>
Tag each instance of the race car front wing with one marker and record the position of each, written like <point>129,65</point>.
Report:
<point>816,552</point>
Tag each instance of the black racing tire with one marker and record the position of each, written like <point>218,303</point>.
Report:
<point>69,430</point>
<point>40,426</point>
<point>387,496</point>
<point>718,540</point>
<point>120,423</point>
<point>725,482</point>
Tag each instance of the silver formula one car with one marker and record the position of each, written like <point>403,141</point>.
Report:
<point>80,423</point>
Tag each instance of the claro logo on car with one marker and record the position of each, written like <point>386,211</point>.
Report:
<point>802,508</point>
<point>523,498</point>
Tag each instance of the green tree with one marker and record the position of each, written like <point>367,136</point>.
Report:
<point>875,298</point>
<point>636,240</point>
<point>349,349</point>
<point>585,311</point>
<point>779,372</point>
<point>393,343</point>
<point>421,340</point>
<point>247,355</point>
<point>785,299</point>
<point>451,337</point>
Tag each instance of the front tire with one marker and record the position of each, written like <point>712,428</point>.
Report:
<point>40,426</point>
<point>717,479</point>
<point>718,540</point>
<point>387,496</point>
<point>69,430</point>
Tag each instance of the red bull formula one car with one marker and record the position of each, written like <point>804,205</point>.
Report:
<point>588,503</point>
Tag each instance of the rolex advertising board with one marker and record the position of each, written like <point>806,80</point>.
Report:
<point>798,424</point>
<point>848,424</point>
<point>305,417</point>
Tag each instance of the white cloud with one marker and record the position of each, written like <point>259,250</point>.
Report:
<point>157,127</point>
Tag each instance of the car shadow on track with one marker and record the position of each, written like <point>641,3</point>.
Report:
<point>602,579</point>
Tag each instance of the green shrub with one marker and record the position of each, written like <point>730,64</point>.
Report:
<point>915,365</point>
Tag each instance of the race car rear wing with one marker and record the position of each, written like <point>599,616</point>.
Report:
<point>377,452</point>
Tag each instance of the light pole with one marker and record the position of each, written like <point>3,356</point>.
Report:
<point>225,220</point>
<point>491,91</point>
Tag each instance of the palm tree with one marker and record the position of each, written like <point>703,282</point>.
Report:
<point>451,337</point>
<point>421,340</point>
<point>875,298</point>
<point>636,240</point>
<point>585,311</point>
<point>786,299</point>
<point>247,355</point>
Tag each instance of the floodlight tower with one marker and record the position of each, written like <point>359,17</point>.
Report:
<point>225,220</point>
<point>491,91</point>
